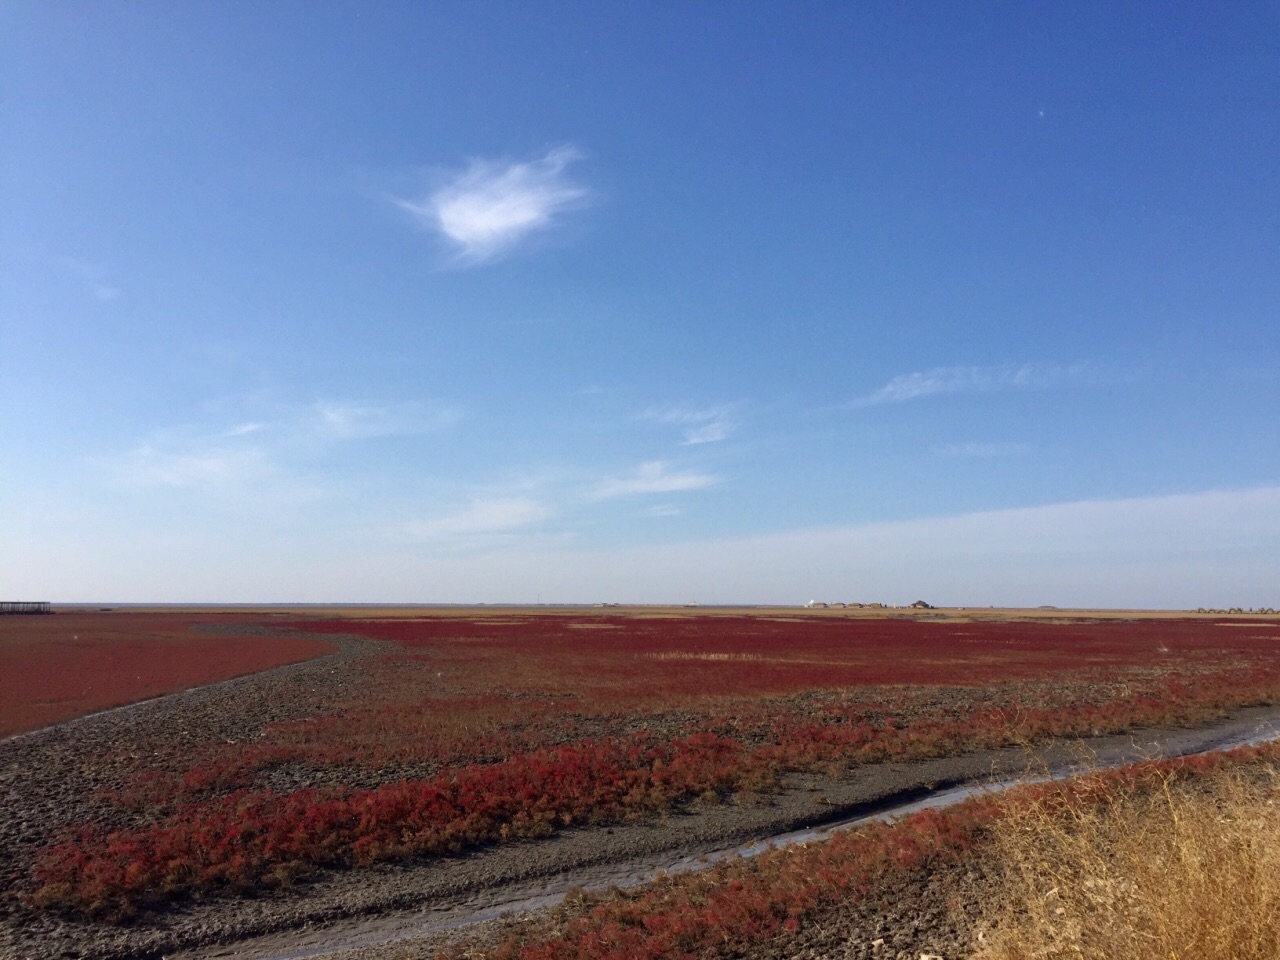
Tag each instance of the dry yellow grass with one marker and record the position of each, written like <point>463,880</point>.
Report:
<point>1179,874</point>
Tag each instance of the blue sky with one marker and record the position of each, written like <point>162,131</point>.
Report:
<point>656,302</point>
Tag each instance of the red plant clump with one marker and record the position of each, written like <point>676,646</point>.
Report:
<point>252,839</point>
<point>53,668</point>
<point>726,910</point>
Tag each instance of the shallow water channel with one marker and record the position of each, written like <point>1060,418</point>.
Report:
<point>387,928</point>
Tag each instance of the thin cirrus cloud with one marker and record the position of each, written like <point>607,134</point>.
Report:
<point>663,510</point>
<point>245,429</point>
<point>653,477</point>
<point>481,516</point>
<point>208,470</point>
<point>348,420</point>
<point>96,277</point>
<point>697,425</point>
<point>267,455</point>
<point>231,477</point>
<point>945,380</point>
<point>488,209</point>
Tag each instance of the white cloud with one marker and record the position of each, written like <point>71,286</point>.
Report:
<point>208,471</point>
<point>492,206</point>
<point>96,277</point>
<point>236,479</point>
<point>266,463</point>
<point>653,477</point>
<point>697,425</point>
<point>233,468</point>
<point>1215,548</point>
<point>482,515</point>
<point>664,510</point>
<point>996,449</point>
<point>348,420</point>
<point>244,429</point>
<point>707,433</point>
<point>942,380</point>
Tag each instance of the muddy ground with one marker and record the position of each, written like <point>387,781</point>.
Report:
<point>903,918</point>
<point>55,776</point>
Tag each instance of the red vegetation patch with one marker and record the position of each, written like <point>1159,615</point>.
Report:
<point>643,659</point>
<point>725,911</point>
<point>479,689</point>
<point>469,731</point>
<point>53,668</point>
<point>260,839</point>
<point>728,910</point>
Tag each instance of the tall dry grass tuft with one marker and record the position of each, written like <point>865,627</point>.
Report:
<point>1189,870</point>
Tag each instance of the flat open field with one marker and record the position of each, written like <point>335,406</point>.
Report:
<point>53,668</point>
<point>358,781</point>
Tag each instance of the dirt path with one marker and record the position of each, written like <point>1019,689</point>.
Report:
<point>811,810</point>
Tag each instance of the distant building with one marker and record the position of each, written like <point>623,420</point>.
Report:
<point>815,605</point>
<point>921,605</point>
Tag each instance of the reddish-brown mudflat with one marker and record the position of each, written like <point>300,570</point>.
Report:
<point>437,733</point>
<point>53,668</point>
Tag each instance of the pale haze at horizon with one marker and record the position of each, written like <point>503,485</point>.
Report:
<point>563,302</point>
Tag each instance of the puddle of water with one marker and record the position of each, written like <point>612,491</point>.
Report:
<point>386,929</point>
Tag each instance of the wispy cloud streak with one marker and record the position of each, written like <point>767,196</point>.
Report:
<point>255,462</point>
<point>653,477</point>
<point>245,429</point>
<point>663,510</point>
<point>705,425</point>
<point>945,380</point>
<point>482,516</point>
<point>96,277</point>
<point>350,420</point>
<point>492,206</point>
<point>229,475</point>
<point>206,470</point>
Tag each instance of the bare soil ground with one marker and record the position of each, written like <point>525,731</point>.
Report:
<point>902,919</point>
